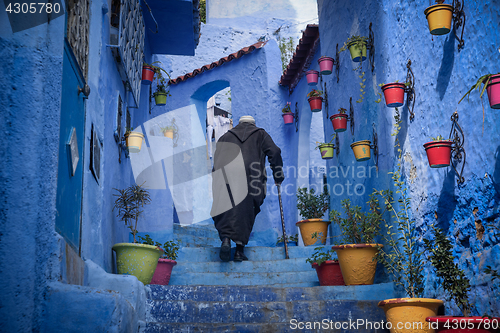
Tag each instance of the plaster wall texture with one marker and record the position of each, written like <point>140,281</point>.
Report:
<point>442,76</point>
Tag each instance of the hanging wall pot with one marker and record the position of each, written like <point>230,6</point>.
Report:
<point>394,94</point>
<point>288,117</point>
<point>326,150</point>
<point>438,153</point>
<point>339,122</point>
<point>325,65</point>
<point>312,77</point>
<point>148,74</point>
<point>439,18</point>
<point>134,141</point>
<point>160,98</point>
<point>361,150</point>
<point>357,50</point>
<point>315,103</point>
<point>493,90</point>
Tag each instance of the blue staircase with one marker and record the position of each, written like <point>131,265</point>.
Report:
<point>265,294</point>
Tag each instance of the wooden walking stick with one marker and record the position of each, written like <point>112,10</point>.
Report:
<point>283,222</point>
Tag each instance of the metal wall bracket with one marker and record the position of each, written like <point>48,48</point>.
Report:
<point>326,100</point>
<point>351,115</point>
<point>337,145</point>
<point>458,154</point>
<point>296,116</point>
<point>459,21</point>
<point>370,46</point>
<point>336,62</point>
<point>374,146</point>
<point>410,90</point>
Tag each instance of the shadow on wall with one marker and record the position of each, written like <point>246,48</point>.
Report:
<point>447,200</point>
<point>446,65</point>
<point>496,172</point>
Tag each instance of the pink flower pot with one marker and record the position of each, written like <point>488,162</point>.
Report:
<point>394,94</point>
<point>329,273</point>
<point>163,271</point>
<point>325,65</point>
<point>438,153</point>
<point>450,324</point>
<point>315,103</point>
<point>493,90</point>
<point>288,117</point>
<point>312,77</point>
<point>339,122</point>
<point>147,75</point>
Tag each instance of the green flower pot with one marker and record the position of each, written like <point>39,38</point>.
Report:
<point>160,98</point>
<point>358,52</point>
<point>139,260</point>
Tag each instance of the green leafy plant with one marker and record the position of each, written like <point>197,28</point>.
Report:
<point>494,273</point>
<point>358,42</point>
<point>203,11</point>
<point>315,93</point>
<point>161,82</point>
<point>287,49</point>
<point>359,227</point>
<point>167,128</point>
<point>129,204</point>
<point>286,108</point>
<point>455,283</point>
<point>342,110</point>
<point>291,238</point>
<point>482,81</point>
<point>318,144</point>
<point>311,205</point>
<point>438,138</point>
<point>170,248</point>
<point>128,130</point>
<point>320,255</point>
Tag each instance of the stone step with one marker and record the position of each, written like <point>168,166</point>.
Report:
<point>197,241</point>
<point>200,230</point>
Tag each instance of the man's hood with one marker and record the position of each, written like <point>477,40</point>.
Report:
<point>244,130</point>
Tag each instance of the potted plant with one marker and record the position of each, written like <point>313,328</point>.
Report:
<point>315,100</point>
<point>490,83</point>
<point>327,267</point>
<point>326,148</point>
<point>325,65</point>
<point>166,262</point>
<point>168,131</point>
<point>287,114</point>
<point>361,150</point>
<point>438,152</point>
<point>394,93</point>
<point>312,77</point>
<point>456,284</point>
<point>135,259</point>
<point>339,120</point>
<point>359,249</point>
<point>357,47</point>
<point>148,74</point>
<point>312,207</point>
<point>133,140</point>
<point>439,18</point>
<point>290,240</point>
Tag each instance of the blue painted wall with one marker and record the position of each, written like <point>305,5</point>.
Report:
<point>442,76</point>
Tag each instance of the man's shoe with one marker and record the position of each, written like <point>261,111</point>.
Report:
<point>239,256</point>
<point>225,250</point>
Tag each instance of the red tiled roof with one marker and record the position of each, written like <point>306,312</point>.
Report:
<point>304,53</point>
<point>220,62</point>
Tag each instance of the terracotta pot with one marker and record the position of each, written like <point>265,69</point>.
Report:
<point>451,324</point>
<point>439,18</point>
<point>134,141</point>
<point>325,65</point>
<point>339,122</point>
<point>148,74</point>
<point>312,77</point>
<point>361,150</point>
<point>358,52</point>
<point>410,312</point>
<point>329,273</point>
<point>311,226</point>
<point>438,153</point>
<point>315,103</point>
<point>394,94</point>
<point>493,90</point>
<point>356,262</point>
<point>326,150</point>
<point>139,260</point>
<point>288,117</point>
<point>163,271</point>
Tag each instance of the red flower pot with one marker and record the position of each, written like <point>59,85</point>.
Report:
<point>339,122</point>
<point>163,271</point>
<point>493,90</point>
<point>325,65</point>
<point>394,94</point>
<point>315,103</point>
<point>450,324</point>
<point>147,75</point>
<point>438,153</point>
<point>288,117</point>
<point>312,77</point>
<point>329,273</point>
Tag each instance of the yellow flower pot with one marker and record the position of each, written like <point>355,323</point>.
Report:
<point>356,262</point>
<point>410,313</point>
<point>313,226</point>
<point>134,141</point>
<point>169,134</point>
<point>358,52</point>
<point>361,150</point>
<point>139,260</point>
<point>439,18</point>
